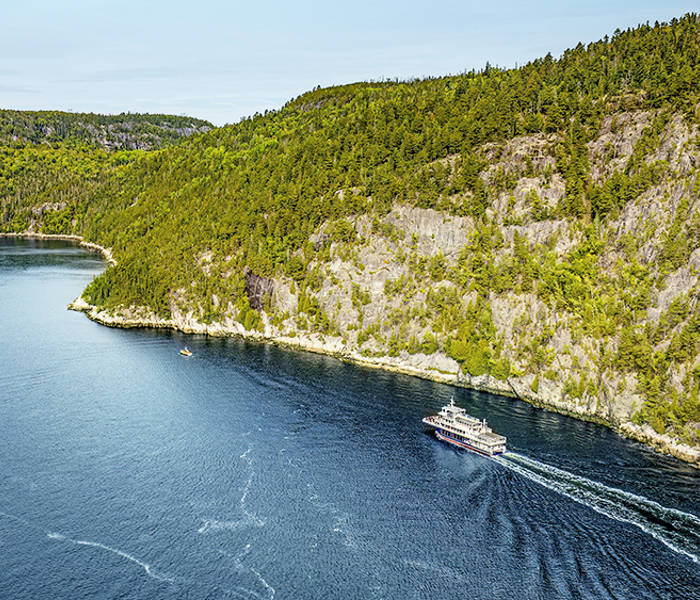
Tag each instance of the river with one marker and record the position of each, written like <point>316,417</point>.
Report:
<point>252,472</point>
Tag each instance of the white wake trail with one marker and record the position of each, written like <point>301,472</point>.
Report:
<point>145,566</point>
<point>242,502</point>
<point>676,529</point>
<point>248,517</point>
<point>270,590</point>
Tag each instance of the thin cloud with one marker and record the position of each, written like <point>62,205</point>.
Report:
<point>17,89</point>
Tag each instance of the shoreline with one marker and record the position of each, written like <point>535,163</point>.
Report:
<point>314,343</point>
<point>91,246</point>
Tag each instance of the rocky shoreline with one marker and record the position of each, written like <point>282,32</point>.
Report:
<point>30,235</point>
<point>437,368</point>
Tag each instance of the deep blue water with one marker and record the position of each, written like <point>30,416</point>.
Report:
<point>247,471</point>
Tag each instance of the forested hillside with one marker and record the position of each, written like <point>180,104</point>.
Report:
<point>114,132</point>
<point>533,231</point>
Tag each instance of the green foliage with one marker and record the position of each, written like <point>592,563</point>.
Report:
<point>395,345</point>
<point>127,131</point>
<point>648,141</point>
<point>611,195</point>
<point>568,284</point>
<point>444,304</point>
<point>362,337</point>
<point>257,190</point>
<point>501,368</point>
<point>475,265</point>
<point>388,230</point>
<point>680,239</point>
<point>342,230</point>
<point>572,161</point>
<point>634,350</point>
<point>682,409</point>
<point>437,267</point>
<point>684,344</point>
<point>250,318</point>
<point>676,313</point>
<point>295,268</point>
<point>429,343</point>
<point>252,194</point>
<point>359,297</point>
<point>310,305</point>
<point>413,346</point>
<point>394,287</point>
<point>575,389</point>
<point>51,187</point>
<point>475,346</point>
<point>539,210</point>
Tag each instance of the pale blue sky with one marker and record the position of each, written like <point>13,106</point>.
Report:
<point>224,60</point>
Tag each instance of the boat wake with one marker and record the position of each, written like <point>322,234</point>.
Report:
<point>678,530</point>
<point>249,519</point>
<point>258,522</point>
<point>52,535</point>
<point>145,566</point>
<point>240,590</point>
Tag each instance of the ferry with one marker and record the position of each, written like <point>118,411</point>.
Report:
<point>454,426</point>
<point>185,352</point>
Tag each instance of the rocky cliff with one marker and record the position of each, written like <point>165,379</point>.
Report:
<point>533,231</point>
<point>392,291</point>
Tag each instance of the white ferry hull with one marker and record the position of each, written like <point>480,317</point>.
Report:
<point>454,426</point>
<point>464,445</point>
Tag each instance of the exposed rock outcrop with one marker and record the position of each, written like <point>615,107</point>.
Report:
<point>392,291</point>
<point>259,290</point>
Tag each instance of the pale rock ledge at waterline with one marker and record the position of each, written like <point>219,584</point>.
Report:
<point>435,367</point>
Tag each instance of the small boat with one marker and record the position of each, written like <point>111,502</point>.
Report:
<point>185,352</point>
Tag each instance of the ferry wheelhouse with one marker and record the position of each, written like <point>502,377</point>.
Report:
<point>454,426</point>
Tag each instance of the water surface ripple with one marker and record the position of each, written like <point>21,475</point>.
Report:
<point>246,471</point>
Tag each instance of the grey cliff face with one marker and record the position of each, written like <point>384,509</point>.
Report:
<point>389,298</point>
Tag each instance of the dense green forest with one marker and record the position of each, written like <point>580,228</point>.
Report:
<point>126,131</point>
<point>282,194</point>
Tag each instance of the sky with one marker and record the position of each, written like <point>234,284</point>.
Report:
<point>222,61</point>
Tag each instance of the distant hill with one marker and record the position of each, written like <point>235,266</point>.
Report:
<point>127,131</point>
<point>532,231</point>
